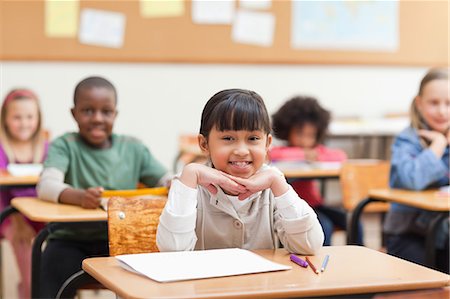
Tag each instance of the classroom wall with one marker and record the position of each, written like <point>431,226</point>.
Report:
<point>157,102</point>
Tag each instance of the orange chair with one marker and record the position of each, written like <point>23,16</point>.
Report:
<point>356,179</point>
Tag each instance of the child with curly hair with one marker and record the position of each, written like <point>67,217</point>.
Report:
<point>302,122</point>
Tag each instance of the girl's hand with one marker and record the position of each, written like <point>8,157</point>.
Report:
<point>197,174</point>
<point>23,232</point>
<point>438,141</point>
<point>91,198</point>
<point>266,179</point>
<point>432,136</point>
<point>311,155</point>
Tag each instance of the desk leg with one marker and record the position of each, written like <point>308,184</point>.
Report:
<point>430,247</point>
<point>3,215</point>
<point>352,230</point>
<point>6,212</point>
<point>39,240</point>
<point>36,260</point>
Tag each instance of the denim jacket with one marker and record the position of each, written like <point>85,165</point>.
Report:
<point>416,168</point>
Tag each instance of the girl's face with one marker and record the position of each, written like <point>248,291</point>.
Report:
<point>22,119</point>
<point>434,105</point>
<point>239,153</point>
<point>304,136</point>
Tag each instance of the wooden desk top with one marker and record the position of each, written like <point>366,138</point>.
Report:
<point>311,173</point>
<point>7,179</point>
<point>428,200</point>
<point>43,211</point>
<point>302,170</point>
<point>351,270</point>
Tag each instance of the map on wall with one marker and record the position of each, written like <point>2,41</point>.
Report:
<point>345,25</point>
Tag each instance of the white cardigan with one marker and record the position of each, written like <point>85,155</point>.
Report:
<point>196,219</point>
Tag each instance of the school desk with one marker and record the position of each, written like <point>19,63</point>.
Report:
<point>9,181</point>
<point>57,216</point>
<point>441,293</point>
<point>429,200</point>
<point>293,171</point>
<point>350,270</point>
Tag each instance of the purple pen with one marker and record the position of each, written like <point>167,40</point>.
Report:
<point>298,261</point>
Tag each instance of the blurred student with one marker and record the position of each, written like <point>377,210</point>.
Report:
<point>302,122</point>
<point>420,160</point>
<point>236,200</point>
<point>22,140</point>
<point>79,167</point>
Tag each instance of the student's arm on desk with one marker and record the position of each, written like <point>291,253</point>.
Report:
<point>176,228</point>
<point>51,187</point>
<point>297,225</point>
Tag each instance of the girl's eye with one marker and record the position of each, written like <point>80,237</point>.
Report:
<point>228,138</point>
<point>254,138</point>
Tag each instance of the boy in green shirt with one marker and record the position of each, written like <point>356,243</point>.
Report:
<point>79,167</point>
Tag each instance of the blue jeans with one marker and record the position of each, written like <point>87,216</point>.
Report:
<point>331,217</point>
<point>411,247</point>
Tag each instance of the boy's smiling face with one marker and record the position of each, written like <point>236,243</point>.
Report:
<point>95,112</point>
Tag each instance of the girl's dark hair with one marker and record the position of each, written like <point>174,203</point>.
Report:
<point>235,109</point>
<point>298,111</point>
<point>93,82</point>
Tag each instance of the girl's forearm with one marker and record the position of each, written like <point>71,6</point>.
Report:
<point>279,185</point>
<point>189,176</point>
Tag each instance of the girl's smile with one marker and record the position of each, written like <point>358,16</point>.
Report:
<point>239,153</point>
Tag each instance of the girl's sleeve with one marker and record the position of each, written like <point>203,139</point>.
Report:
<point>286,153</point>
<point>414,168</point>
<point>326,154</point>
<point>296,224</point>
<point>3,159</point>
<point>176,228</point>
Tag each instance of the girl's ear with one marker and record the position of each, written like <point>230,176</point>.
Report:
<point>417,103</point>
<point>269,141</point>
<point>203,143</point>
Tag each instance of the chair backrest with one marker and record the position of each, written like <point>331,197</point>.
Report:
<point>358,177</point>
<point>132,224</point>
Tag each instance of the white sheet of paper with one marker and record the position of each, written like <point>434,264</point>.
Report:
<point>255,4</point>
<point>213,12</point>
<point>102,28</point>
<point>24,169</point>
<point>185,265</point>
<point>254,28</point>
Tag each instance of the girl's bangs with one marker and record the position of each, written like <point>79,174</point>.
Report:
<point>241,115</point>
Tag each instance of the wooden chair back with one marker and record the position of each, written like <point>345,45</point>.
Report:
<point>358,177</point>
<point>132,224</point>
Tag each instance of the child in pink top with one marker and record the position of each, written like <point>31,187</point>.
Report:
<point>22,140</point>
<point>303,123</point>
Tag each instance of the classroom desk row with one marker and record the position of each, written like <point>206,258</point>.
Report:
<point>430,200</point>
<point>61,216</point>
<point>351,270</point>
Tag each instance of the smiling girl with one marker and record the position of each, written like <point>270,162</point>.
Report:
<point>22,140</point>
<point>420,160</point>
<point>236,200</point>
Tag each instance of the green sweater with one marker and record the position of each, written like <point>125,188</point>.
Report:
<point>122,166</point>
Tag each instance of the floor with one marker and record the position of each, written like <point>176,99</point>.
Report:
<point>372,236</point>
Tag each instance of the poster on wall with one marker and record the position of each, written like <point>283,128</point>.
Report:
<point>345,25</point>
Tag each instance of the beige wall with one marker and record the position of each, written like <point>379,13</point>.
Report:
<point>157,102</point>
